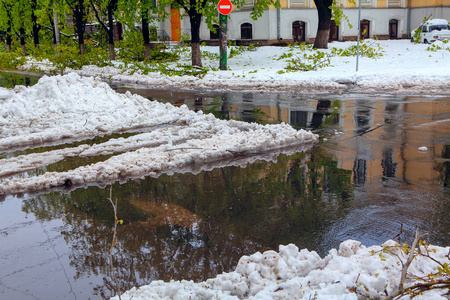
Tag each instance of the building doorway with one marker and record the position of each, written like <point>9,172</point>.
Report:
<point>298,31</point>
<point>364,29</point>
<point>175,24</point>
<point>334,31</point>
<point>393,29</point>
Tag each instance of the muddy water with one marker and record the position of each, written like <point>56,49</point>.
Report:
<point>364,180</point>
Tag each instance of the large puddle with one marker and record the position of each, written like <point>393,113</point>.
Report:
<point>366,180</point>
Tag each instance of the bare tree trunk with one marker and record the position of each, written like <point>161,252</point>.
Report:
<point>36,26</point>
<point>147,51</point>
<point>22,41</point>
<point>196,57</point>
<point>8,40</point>
<point>82,49</point>
<point>112,52</point>
<point>195,19</point>
<point>323,30</point>
<point>146,33</point>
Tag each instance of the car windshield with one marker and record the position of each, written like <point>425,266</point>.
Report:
<point>439,27</point>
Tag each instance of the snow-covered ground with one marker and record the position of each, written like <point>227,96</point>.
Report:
<point>404,68</point>
<point>69,108</point>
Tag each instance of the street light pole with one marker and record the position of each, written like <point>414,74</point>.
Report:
<point>359,34</point>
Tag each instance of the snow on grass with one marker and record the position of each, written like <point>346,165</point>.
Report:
<point>71,108</point>
<point>350,273</point>
<point>404,68</point>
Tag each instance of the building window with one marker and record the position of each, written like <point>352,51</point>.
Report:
<point>393,29</point>
<point>248,4</point>
<point>246,31</point>
<point>298,3</point>
<point>298,31</point>
<point>215,35</point>
<point>365,3</point>
<point>394,3</point>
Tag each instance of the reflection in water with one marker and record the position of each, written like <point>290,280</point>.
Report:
<point>10,80</point>
<point>193,227</point>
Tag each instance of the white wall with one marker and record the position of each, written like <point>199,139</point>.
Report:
<point>265,28</point>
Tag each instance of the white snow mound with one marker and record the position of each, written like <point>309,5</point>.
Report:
<point>353,272</point>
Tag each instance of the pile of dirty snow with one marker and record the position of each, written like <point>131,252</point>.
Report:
<point>165,138</point>
<point>352,272</point>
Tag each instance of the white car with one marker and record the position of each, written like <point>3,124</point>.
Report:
<point>431,31</point>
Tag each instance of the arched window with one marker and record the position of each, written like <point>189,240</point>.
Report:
<point>365,29</point>
<point>298,31</point>
<point>215,35</point>
<point>393,29</point>
<point>246,31</point>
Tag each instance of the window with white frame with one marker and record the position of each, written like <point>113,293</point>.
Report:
<point>298,3</point>
<point>365,3</point>
<point>394,3</point>
<point>249,4</point>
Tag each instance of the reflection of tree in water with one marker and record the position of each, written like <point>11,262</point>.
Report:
<point>193,227</point>
<point>387,162</point>
<point>10,80</point>
<point>444,167</point>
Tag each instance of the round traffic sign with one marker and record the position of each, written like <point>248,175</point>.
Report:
<point>224,7</point>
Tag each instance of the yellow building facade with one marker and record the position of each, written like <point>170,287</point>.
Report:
<point>297,20</point>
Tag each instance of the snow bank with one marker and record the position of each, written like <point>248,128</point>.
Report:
<point>404,68</point>
<point>71,107</point>
<point>352,272</point>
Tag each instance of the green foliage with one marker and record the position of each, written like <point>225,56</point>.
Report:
<point>11,61</point>
<point>285,55</point>
<point>164,56</point>
<point>311,62</point>
<point>131,48</point>
<point>338,14</point>
<point>416,35</point>
<point>67,56</point>
<point>417,31</point>
<point>210,55</point>
<point>435,47</point>
<point>367,48</point>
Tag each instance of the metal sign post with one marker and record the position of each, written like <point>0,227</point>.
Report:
<point>223,42</point>
<point>224,8</point>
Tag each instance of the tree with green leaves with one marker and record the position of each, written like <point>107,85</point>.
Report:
<point>105,11</point>
<point>206,10</point>
<point>79,9</point>
<point>327,10</point>
<point>13,19</point>
<point>6,21</point>
<point>133,12</point>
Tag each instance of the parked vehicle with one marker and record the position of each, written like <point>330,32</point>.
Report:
<point>431,31</point>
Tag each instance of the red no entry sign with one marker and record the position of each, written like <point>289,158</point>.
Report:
<point>224,7</point>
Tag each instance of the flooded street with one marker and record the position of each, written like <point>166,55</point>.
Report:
<point>366,179</point>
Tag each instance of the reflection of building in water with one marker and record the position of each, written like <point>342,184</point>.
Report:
<point>392,150</point>
<point>387,152</point>
<point>363,120</point>
<point>272,108</point>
